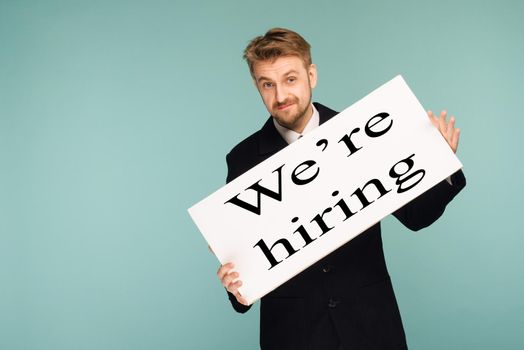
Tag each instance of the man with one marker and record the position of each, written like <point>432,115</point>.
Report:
<point>346,300</point>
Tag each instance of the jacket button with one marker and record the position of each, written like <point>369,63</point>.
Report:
<point>333,303</point>
<point>327,268</point>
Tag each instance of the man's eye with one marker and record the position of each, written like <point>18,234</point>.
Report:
<point>267,85</point>
<point>291,79</point>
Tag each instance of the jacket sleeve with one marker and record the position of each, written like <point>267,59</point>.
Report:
<point>231,174</point>
<point>241,308</point>
<point>429,206</point>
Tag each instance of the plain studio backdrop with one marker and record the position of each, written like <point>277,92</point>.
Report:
<point>115,117</point>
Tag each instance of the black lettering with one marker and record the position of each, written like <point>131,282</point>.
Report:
<point>360,192</point>
<point>305,166</point>
<point>303,233</point>
<point>319,219</point>
<point>399,176</point>
<point>349,144</point>
<point>379,118</point>
<point>342,205</point>
<point>322,142</point>
<point>267,251</point>
<point>256,209</point>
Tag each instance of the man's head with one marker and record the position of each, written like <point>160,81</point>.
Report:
<point>280,64</point>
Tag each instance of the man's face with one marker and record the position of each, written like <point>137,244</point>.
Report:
<point>285,86</point>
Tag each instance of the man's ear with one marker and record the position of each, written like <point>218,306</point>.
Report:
<point>312,73</point>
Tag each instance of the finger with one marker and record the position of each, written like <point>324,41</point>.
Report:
<point>455,140</point>
<point>442,123</point>
<point>233,287</point>
<point>432,118</point>
<point>241,299</point>
<point>451,129</point>
<point>230,277</point>
<point>224,269</point>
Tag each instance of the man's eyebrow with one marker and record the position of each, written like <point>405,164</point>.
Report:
<point>292,71</point>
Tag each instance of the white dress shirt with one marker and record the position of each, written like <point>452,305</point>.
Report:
<point>291,135</point>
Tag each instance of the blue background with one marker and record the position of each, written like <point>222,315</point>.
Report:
<point>115,117</point>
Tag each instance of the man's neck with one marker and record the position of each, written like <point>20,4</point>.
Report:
<point>305,120</point>
<point>291,135</point>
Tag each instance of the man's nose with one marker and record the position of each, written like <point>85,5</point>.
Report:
<point>281,93</point>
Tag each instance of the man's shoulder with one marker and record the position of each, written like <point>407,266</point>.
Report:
<point>247,153</point>
<point>243,156</point>
<point>249,145</point>
<point>325,113</point>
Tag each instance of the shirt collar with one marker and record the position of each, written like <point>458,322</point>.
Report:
<point>290,135</point>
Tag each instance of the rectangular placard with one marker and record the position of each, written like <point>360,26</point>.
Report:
<point>321,191</point>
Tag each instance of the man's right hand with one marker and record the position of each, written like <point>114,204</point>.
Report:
<point>231,282</point>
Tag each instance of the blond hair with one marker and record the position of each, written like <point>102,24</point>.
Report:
<point>277,42</point>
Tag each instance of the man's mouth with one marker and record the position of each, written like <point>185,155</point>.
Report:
<point>282,107</point>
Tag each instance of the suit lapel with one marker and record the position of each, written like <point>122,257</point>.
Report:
<point>324,112</point>
<point>270,141</point>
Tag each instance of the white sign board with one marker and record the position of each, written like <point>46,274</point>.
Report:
<point>313,196</point>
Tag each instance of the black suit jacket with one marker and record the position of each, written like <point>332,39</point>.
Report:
<point>345,299</point>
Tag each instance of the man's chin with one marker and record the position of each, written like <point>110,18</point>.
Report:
<point>286,122</point>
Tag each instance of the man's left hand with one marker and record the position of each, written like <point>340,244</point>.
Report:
<point>447,129</point>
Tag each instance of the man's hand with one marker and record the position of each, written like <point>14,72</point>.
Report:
<point>447,129</point>
<point>230,281</point>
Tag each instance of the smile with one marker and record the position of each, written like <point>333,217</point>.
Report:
<point>284,107</point>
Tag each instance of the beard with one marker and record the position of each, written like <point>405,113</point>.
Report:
<point>289,119</point>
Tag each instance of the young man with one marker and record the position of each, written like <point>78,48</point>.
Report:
<point>346,300</point>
